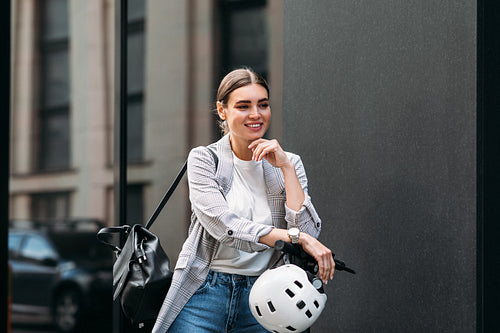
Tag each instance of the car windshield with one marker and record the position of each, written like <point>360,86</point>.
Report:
<point>82,247</point>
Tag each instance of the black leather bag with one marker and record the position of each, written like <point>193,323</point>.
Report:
<point>141,273</point>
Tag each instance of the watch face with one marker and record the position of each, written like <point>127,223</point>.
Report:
<point>293,233</point>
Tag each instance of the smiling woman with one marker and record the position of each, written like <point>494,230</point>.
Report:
<point>247,114</point>
<point>232,81</point>
<point>246,193</point>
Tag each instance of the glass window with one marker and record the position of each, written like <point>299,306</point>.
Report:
<point>244,35</point>
<point>14,242</point>
<point>36,247</point>
<point>136,9</point>
<point>61,134</point>
<point>248,42</point>
<point>135,136</point>
<point>135,65</point>
<point>135,204</point>
<point>135,80</point>
<point>55,78</point>
<point>55,19</point>
<point>54,137</point>
<point>50,206</point>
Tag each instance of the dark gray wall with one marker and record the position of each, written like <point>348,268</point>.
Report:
<point>380,102</point>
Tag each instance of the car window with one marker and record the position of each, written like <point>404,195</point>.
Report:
<point>14,242</point>
<point>37,247</point>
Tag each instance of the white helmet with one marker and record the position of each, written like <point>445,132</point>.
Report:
<point>284,300</point>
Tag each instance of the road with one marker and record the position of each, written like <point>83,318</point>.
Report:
<point>31,328</point>
<point>29,325</point>
<point>18,328</point>
<point>42,323</point>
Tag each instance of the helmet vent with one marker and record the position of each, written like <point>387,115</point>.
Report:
<point>290,293</point>
<point>308,314</point>
<point>258,311</point>
<point>290,328</point>
<point>298,284</point>
<point>316,304</point>
<point>271,306</point>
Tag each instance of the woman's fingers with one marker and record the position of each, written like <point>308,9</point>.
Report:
<point>270,150</point>
<point>262,147</point>
<point>324,257</point>
<point>326,266</point>
<point>332,266</point>
<point>257,151</point>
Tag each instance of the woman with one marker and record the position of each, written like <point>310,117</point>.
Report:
<point>245,193</point>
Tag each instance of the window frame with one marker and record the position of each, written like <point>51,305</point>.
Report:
<point>46,49</point>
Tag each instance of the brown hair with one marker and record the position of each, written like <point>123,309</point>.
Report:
<point>236,79</point>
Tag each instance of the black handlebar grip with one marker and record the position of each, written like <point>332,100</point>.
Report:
<point>286,247</point>
<point>304,258</point>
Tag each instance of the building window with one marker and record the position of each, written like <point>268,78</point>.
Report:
<point>135,204</point>
<point>46,206</point>
<point>54,112</point>
<point>135,80</point>
<point>244,35</point>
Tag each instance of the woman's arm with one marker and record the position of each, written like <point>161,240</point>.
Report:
<point>304,215</point>
<point>272,152</point>
<point>294,193</point>
<point>295,196</point>
<point>311,245</point>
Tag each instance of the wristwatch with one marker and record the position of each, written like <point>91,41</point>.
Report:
<point>293,233</point>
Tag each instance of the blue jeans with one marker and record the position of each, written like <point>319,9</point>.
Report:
<point>219,305</point>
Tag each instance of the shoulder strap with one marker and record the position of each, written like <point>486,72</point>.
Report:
<point>167,196</point>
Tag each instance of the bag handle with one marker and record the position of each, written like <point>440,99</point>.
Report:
<point>112,230</point>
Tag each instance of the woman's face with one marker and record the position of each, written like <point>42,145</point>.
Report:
<point>247,112</point>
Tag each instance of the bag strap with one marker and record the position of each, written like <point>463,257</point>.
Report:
<point>167,196</point>
<point>171,190</point>
<point>124,229</point>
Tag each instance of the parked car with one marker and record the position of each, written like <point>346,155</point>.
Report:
<point>60,270</point>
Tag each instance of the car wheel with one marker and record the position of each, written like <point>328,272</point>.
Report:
<point>67,310</point>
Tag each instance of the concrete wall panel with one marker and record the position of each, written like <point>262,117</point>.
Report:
<point>380,101</point>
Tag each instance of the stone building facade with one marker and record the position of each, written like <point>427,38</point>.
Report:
<point>63,93</point>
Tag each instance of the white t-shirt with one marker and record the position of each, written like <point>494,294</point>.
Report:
<point>247,198</point>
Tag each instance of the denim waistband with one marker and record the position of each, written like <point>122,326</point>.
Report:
<point>228,278</point>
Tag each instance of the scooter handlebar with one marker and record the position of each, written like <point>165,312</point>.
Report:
<point>305,259</point>
<point>286,247</point>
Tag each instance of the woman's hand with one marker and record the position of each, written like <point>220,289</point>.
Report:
<point>271,151</point>
<point>321,254</point>
<point>311,245</point>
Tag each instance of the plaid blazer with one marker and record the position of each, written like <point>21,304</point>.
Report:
<point>213,223</point>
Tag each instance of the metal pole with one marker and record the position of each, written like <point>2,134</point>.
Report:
<point>5,22</point>
<point>488,166</point>
<point>120,134</point>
